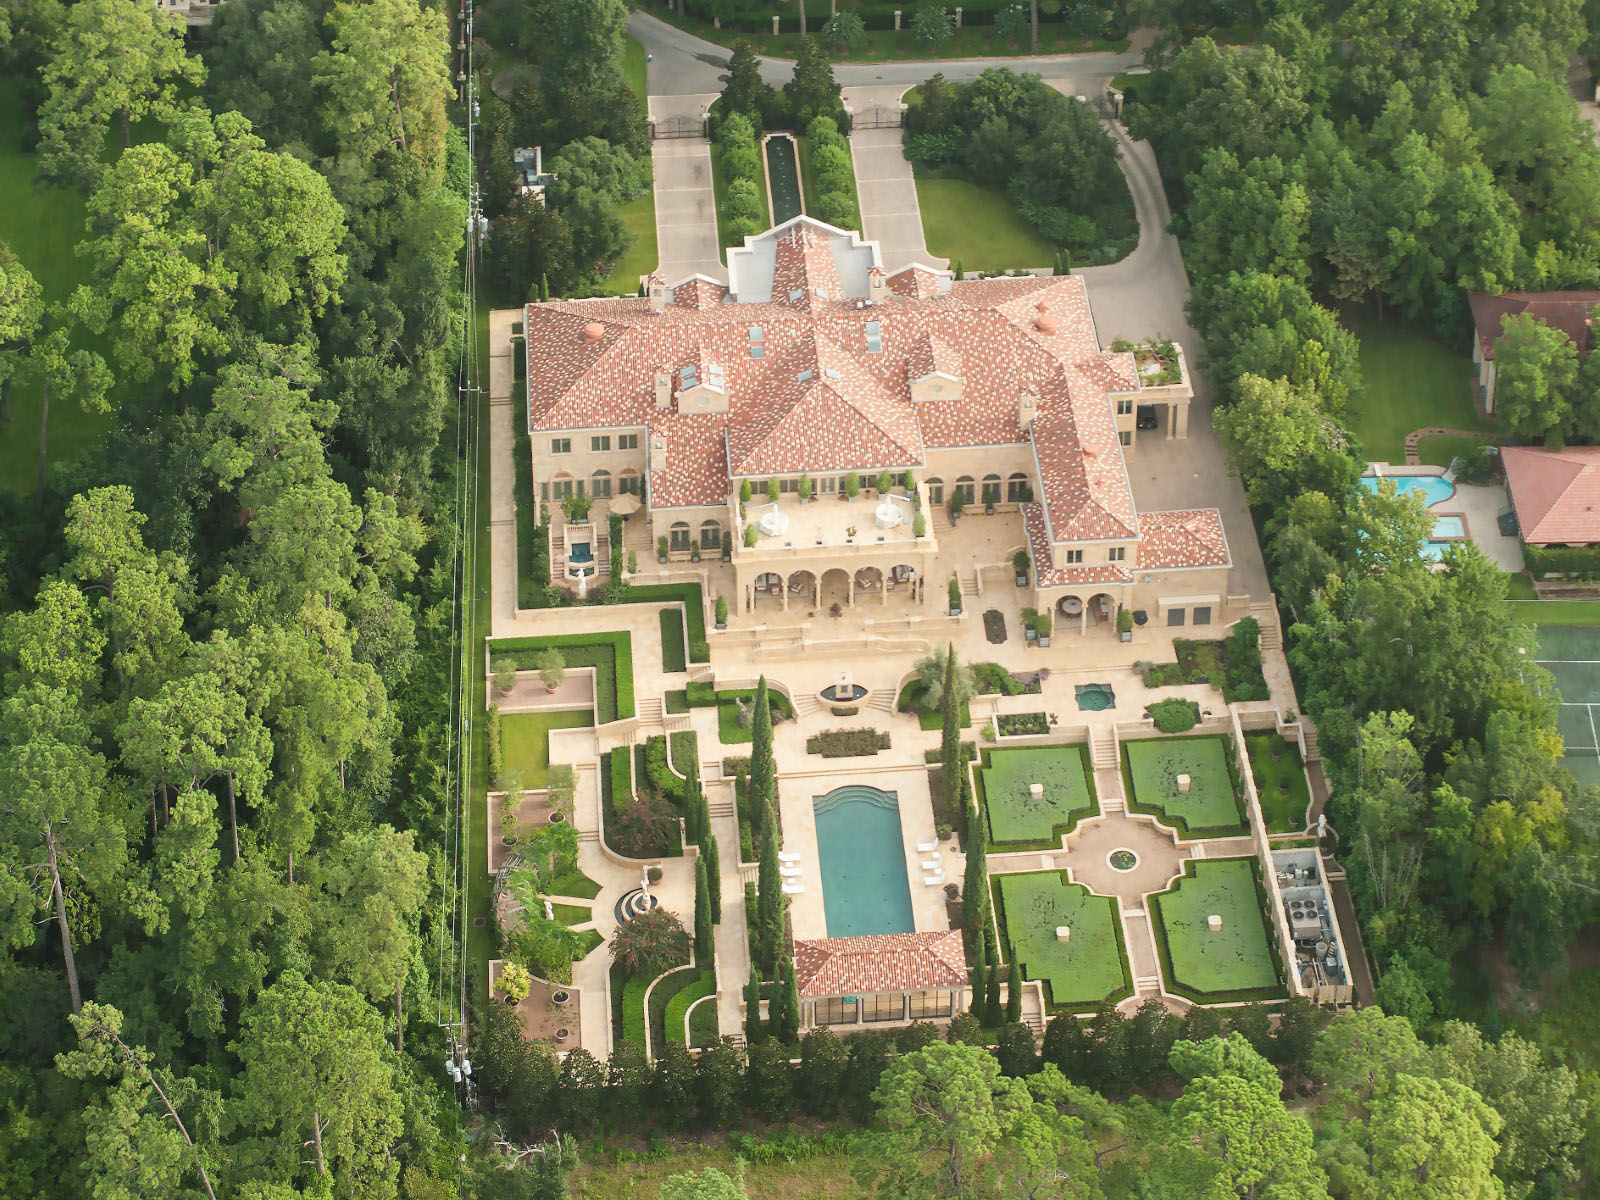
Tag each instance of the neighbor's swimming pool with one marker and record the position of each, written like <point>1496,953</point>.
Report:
<point>861,854</point>
<point>1435,489</point>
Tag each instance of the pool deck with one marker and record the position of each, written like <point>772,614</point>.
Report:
<point>1480,503</point>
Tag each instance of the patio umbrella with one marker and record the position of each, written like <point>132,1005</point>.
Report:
<point>625,505</point>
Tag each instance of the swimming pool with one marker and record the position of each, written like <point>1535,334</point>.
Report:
<point>862,857</point>
<point>1435,489</point>
<point>1451,527</point>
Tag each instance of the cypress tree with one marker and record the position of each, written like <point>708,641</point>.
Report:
<point>975,884</point>
<point>769,902</point>
<point>704,945</point>
<point>763,783</point>
<point>753,1032</point>
<point>544,287</point>
<point>979,977</point>
<point>789,1029</point>
<point>992,1011</point>
<point>950,762</point>
<point>711,856</point>
<point>1014,990</point>
<point>960,273</point>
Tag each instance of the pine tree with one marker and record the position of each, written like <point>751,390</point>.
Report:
<point>704,945</point>
<point>753,1032</point>
<point>745,89</point>
<point>769,902</point>
<point>712,857</point>
<point>992,1012</point>
<point>813,91</point>
<point>975,884</point>
<point>1014,990</point>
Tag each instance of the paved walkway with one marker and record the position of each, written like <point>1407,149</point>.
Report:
<point>686,202</point>
<point>502,493</point>
<point>888,191</point>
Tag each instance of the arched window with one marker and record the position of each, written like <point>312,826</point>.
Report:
<point>935,491</point>
<point>1017,489</point>
<point>991,489</point>
<point>628,482</point>
<point>600,485</point>
<point>679,539</point>
<point>711,536</point>
<point>967,488</point>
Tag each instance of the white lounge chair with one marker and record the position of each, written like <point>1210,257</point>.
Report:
<point>930,855</point>
<point>930,844</point>
<point>928,881</point>
<point>788,872</point>
<point>788,856</point>
<point>793,889</point>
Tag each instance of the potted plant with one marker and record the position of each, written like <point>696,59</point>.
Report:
<point>514,982</point>
<point>988,503</point>
<point>919,526</point>
<point>510,802</point>
<point>803,489</point>
<point>561,782</point>
<point>958,501</point>
<point>850,533</point>
<point>749,537</point>
<point>633,562</point>
<point>560,998</point>
<point>552,667</point>
<point>773,490</point>
<point>727,549</point>
<point>942,831</point>
<point>744,496</point>
<point>1125,624</point>
<point>1043,626</point>
<point>909,482</point>
<point>885,482</point>
<point>1019,561</point>
<point>661,549</point>
<point>722,612</point>
<point>1030,619</point>
<point>576,506</point>
<point>694,550</point>
<point>653,874</point>
<point>955,596</point>
<point>505,674</point>
<point>952,891</point>
<point>852,486</point>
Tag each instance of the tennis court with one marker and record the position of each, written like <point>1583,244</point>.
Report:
<point>1572,654</point>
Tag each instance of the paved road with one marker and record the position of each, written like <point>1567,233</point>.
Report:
<point>687,64</point>
<point>686,205</point>
<point>885,185</point>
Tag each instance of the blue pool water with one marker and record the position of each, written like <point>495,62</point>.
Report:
<point>1434,488</point>
<point>580,552</point>
<point>1451,526</point>
<point>862,857</point>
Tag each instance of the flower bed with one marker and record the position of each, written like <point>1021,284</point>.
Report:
<point>847,743</point>
<point>1022,724</point>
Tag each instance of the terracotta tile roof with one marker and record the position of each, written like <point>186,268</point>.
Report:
<point>1003,337</point>
<point>1556,493</point>
<point>880,962</point>
<point>1191,537</point>
<point>1567,311</point>
<point>1049,575</point>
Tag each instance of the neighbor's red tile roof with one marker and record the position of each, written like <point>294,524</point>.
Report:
<point>880,962</point>
<point>1007,336</point>
<point>1556,493</point>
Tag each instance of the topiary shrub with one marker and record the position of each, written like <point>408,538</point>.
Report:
<point>1174,716</point>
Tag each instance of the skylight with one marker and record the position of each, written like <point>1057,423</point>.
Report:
<point>805,375</point>
<point>875,337</point>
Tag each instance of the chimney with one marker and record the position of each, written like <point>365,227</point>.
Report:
<point>663,388</point>
<point>1027,410</point>
<point>877,285</point>
<point>658,451</point>
<point>656,290</point>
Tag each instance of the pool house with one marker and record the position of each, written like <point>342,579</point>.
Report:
<point>884,979</point>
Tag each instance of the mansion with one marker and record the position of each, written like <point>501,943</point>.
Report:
<point>827,431</point>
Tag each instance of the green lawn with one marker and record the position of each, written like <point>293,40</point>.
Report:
<point>641,258</point>
<point>1280,781</point>
<point>1015,815</point>
<point>1441,450</point>
<point>1209,808</point>
<point>635,71</point>
<point>41,227</point>
<point>977,226</point>
<point>673,655</point>
<point>1235,962</point>
<point>1412,381</point>
<point>1527,610</point>
<point>572,914</point>
<point>525,738</point>
<point>574,883</point>
<point>729,731</point>
<point>1091,964</point>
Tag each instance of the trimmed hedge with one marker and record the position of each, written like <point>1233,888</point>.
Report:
<point>610,654</point>
<point>847,743</point>
<point>633,1009</point>
<point>666,990</point>
<point>1544,561</point>
<point>703,1024</point>
<point>701,694</point>
<point>672,652</point>
<point>1174,716</point>
<point>997,901</point>
<point>704,983</point>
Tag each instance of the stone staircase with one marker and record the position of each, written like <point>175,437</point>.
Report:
<point>1103,748</point>
<point>721,808</point>
<point>882,700</point>
<point>589,835</point>
<point>1266,616</point>
<point>651,710</point>
<point>971,585</point>
<point>1147,985</point>
<point>941,520</point>
<point>806,704</point>
<point>1035,1022</point>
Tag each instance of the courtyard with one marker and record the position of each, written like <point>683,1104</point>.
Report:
<point>1185,781</point>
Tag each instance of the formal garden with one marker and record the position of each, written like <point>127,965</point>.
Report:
<point>1087,965</point>
<point>1187,782</point>
<point>1212,934</point>
<point>1280,777</point>
<point>1018,818</point>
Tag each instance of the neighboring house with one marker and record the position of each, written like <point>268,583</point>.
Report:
<point>531,176</point>
<point>1569,312</point>
<point>813,365</point>
<point>880,979</point>
<point>1556,493</point>
<point>195,12</point>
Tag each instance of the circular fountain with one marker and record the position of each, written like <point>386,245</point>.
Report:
<point>843,693</point>
<point>892,511</point>
<point>773,522</point>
